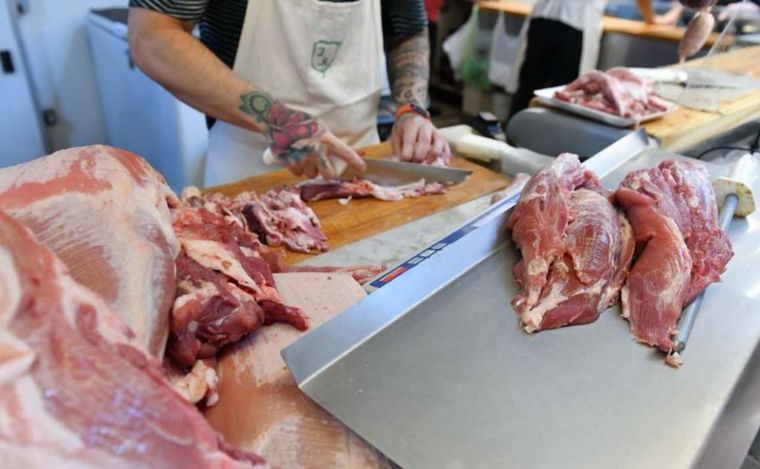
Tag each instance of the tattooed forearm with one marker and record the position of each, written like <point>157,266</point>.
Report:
<point>408,65</point>
<point>293,133</point>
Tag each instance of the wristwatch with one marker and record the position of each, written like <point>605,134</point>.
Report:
<point>413,108</point>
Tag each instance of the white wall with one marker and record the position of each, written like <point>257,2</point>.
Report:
<point>55,39</point>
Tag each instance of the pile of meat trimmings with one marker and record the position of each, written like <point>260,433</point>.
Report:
<point>103,269</point>
<point>656,251</point>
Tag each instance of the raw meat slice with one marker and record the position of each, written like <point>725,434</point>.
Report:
<point>656,288</point>
<point>618,91</point>
<point>539,221</point>
<point>200,384</point>
<point>76,390</point>
<point>225,290</point>
<point>103,211</point>
<point>261,408</point>
<point>682,250</point>
<point>587,279</point>
<point>320,189</point>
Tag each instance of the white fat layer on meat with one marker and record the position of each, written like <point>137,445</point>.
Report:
<point>532,318</point>
<point>17,358</point>
<point>110,326</point>
<point>536,266</point>
<point>625,311</point>
<point>10,288</point>
<point>397,192</point>
<point>201,382</point>
<point>45,429</point>
<point>206,289</point>
<point>249,252</point>
<point>122,247</point>
<point>213,255</point>
<point>534,194</point>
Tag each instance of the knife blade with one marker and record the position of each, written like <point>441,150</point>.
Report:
<point>396,173</point>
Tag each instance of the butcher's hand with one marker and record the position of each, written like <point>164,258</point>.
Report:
<point>298,140</point>
<point>416,139</point>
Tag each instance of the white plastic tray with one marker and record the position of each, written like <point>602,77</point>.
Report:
<point>546,96</point>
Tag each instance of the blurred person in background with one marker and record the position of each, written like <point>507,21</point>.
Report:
<point>561,41</point>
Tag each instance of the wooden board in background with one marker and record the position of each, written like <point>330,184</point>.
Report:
<point>686,128</point>
<point>366,217</point>
<point>611,24</point>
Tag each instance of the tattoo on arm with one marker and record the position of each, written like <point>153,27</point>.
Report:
<point>293,133</point>
<point>409,69</point>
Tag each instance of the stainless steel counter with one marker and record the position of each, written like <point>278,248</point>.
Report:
<point>454,383</point>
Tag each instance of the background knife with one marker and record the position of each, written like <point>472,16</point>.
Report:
<point>396,173</point>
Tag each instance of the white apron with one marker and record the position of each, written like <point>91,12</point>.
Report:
<point>585,15</point>
<point>323,58</point>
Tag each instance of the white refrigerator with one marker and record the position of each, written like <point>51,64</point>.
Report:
<point>141,116</point>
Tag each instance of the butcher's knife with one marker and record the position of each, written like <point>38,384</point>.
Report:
<point>396,173</point>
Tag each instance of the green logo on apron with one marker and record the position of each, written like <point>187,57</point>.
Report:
<point>323,54</point>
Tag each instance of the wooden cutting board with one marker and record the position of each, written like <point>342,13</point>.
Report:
<point>260,407</point>
<point>365,217</point>
<point>687,128</point>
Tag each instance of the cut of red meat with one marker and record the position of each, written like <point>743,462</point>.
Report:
<point>279,217</point>
<point>103,211</point>
<point>708,245</point>
<point>76,389</point>
<point>539,221</point>
<point>225,290</point>
<point>673,212</point>
<point>320,189</point>
<point>576,247</point>
<point>654,293</point>
<point>586,280</point>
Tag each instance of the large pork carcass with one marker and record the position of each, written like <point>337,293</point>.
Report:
<point>76,389</point>
<point>104,212</point>
<point>680,248</point>
<point>576,248</point>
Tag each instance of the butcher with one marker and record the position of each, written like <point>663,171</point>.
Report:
<point>296,82</point>
<point>561,41</point>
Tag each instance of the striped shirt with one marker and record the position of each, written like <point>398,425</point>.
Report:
<point>221,21</point>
